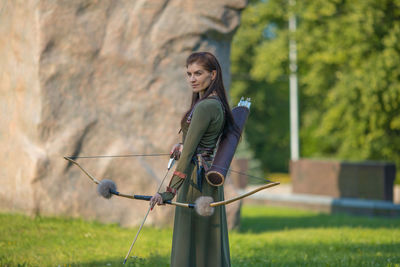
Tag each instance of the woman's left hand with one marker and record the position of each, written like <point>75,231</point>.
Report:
<point>156,199</point>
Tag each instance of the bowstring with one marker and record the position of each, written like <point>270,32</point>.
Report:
<point>119,156</point>
<point>244,174</point>
<point>229,170</point>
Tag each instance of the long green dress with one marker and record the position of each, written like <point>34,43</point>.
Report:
<point>199,241</point>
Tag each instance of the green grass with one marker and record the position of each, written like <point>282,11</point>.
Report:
<point>267,237</point>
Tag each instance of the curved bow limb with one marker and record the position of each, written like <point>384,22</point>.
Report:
<point>80,167</point>
<point>225,202</point>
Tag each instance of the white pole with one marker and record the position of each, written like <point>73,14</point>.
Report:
<point>294,110</point>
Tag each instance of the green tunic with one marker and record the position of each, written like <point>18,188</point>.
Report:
<point>199,241</point>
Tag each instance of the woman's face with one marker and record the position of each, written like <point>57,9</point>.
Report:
<point>199,78</point>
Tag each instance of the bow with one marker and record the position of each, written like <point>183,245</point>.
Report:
<point>179,204</point>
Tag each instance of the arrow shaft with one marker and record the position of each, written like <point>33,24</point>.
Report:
<point>118,156</point>
<point>145,217</point>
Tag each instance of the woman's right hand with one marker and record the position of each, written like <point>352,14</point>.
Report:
<point>176,151</point>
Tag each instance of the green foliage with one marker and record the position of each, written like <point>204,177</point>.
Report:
<point>349,78</point>
<point>352,50</point>
<point>267,237</point>
<point>267,129</point>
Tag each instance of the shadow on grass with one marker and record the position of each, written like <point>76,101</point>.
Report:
<point>321,254</point>
<point>265,223</point>
<point>133,261</point>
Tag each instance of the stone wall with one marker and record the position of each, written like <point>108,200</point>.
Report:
<point>366,180</point>
<point>88,77</point>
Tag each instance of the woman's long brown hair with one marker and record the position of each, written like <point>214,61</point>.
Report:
<point>209,62</point>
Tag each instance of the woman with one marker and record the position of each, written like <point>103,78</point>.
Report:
<point>197,240</point>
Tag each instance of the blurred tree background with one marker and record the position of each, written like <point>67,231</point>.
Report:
<point>349,79</point>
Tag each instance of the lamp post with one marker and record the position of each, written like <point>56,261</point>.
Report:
<point>293,85</point>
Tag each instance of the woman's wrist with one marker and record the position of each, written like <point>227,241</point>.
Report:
<point>167,196</point>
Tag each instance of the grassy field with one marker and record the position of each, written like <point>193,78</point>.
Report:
<point>267,237</point>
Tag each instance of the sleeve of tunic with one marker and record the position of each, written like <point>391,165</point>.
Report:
<point>201,119</point>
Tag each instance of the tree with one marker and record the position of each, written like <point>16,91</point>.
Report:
<point>349,79</point>
<point>253,75</point>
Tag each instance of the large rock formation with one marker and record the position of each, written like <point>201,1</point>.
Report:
<point>89,77</point>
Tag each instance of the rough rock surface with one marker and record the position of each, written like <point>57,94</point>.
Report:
<point>89,77</point>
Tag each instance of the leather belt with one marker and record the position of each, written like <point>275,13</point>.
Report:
<point>200,159</point>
